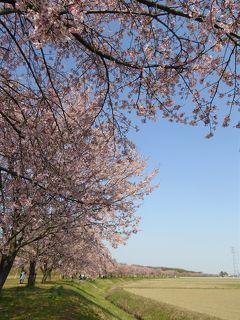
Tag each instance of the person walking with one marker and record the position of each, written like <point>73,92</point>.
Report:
<point>22,276</point>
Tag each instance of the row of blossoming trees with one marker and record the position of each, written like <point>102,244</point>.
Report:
<point>125,270</point>
<point>70,71</point>
<point>66,186</point>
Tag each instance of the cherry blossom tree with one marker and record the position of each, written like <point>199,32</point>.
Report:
<point>126,270</point>
<point>134,55</point>
<point>72,174</point>
<point>70,71</point>
<point>86,255</point>
<point>85,258</point>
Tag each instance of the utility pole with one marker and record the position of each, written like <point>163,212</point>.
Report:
<point>235,257</point>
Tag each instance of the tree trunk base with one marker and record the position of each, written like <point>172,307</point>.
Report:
<point>5,267</point>
<point>32,274</point>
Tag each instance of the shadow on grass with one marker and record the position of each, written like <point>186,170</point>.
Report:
<point>84,294</point>
<point>56,303</point>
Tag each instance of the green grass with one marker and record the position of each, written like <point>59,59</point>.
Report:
<point>108,299</point>
<point>54,303</point>
<point>59,300</point>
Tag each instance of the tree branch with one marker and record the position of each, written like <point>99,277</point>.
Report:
<point>179,13</point>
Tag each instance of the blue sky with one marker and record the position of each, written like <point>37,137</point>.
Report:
<point>193,219</point>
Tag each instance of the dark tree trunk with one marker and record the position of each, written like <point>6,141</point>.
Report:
<point>5,267</point>
<point>46,275</point>
<point>46,271</point>
<point>32,273</point>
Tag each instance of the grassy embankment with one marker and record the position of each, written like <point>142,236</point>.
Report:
<point>89,300</point>
<point>59,300</point>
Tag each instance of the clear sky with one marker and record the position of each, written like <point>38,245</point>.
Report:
<point>193,219</point>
